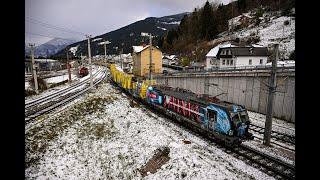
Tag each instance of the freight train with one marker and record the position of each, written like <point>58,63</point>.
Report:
<point>220,120</point>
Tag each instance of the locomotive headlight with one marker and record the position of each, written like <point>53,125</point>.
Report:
<point>231,132</point>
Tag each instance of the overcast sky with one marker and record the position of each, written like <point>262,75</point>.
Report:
<point>94,17</point>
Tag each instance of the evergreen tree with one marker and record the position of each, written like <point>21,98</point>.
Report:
<point>242,5</point>
<point>194,25</point>
<point>207,20</point>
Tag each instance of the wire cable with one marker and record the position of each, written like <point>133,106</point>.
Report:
<point>34,21</point>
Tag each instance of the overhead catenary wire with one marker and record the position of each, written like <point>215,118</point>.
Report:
<point>48,36</point>
<point>47,25</point>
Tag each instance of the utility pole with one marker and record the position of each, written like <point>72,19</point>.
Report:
<point>150,65</point>
<point>89,55</point>
<point>121,61</point>
<point>68,66</point>
<point>232,18</point>
<point>34,69</point>
<point>150,43</point>
<point>272,89</point>
<point>105,51</point>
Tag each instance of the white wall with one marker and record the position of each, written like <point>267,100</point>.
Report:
<point>244,60</point>
<point>225,65</point>
<point>209,65</point>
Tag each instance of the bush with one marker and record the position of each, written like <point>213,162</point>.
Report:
<point>286,12</point>
<point>253,40</point>
<point>286,22</point>
<point>259,13</point>
<point>185,61</point>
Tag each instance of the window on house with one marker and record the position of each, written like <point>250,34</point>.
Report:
<point>261,61</point>
<point>228,62</point>
<point>231,62</point>
<point>223,62</point>
<point>250,61</point>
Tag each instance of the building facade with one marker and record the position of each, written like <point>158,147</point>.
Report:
<point>228,55</point>
<point>242,56</point>
<point>141,60</point>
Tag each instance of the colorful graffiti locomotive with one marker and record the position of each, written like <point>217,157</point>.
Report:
<point>218,119</point>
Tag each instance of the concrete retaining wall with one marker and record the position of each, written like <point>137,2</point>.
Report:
<point>245,88</point>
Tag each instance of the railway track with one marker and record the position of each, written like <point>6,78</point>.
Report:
<point>278,136</point>
<point>57,93</point>
<point>266,163</point>
<point>50,106</point>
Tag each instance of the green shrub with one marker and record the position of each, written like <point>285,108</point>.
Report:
<point>185,61</point>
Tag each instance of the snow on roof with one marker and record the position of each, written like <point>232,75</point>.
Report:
<point>256,45</point>
<point>214,51</point>
<point>45,60</point>
<point>137,48</point>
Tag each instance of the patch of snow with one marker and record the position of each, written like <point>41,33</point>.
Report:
<point>45,60</point>
<point>58,79</point>
<point>161,28</point>
<point>173,22</point>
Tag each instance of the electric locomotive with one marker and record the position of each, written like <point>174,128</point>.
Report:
<point>221,120</point>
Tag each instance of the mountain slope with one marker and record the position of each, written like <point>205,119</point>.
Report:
<point>128,36</point>
<point>50,48</point>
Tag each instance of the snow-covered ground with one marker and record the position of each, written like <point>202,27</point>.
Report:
<point>103,137</point>
<point>277,124</point>
<point>274,31</point>
<point>58,79</point>
<point>58,88</point>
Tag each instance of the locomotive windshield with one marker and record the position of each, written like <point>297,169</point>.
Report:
<point>240,122</point>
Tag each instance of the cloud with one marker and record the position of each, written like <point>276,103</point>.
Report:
<point>96,17</point>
